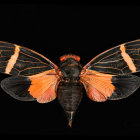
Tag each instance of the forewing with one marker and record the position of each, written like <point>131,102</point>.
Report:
<point>18,60</point>
<point>122,59</point>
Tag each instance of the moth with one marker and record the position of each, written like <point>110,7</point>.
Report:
<point>108,76</point>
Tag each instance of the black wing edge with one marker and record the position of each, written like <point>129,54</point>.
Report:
<point>17,87</point>
<point>125,85</point>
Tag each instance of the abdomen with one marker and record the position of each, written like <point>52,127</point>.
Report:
<point>69,95</point>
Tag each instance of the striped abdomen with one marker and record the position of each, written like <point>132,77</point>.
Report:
<point>69,96</point>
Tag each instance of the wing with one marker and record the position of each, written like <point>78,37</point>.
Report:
<point>107,76</point>
<point>100,87</point>
<point>121,59</point>
<point>17,60</point>
<point>41,87</point>
<point>35,76</point>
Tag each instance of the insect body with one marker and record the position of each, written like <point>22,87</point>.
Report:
<point>108,76</point>
<point>70,88</point>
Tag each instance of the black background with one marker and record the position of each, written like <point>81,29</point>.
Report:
<point>54,29</point>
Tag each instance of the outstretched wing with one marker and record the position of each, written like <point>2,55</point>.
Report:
<point>121,59</point>
<point>100,87</point>
<point>108,75</point>
<point>17,60</point>
<point>35,76</point>
<point>41,87</point>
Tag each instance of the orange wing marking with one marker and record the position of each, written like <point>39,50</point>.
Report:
<point>98,86</point>
<point>43,86</point>
<point>12,60</point>
<point>127,59</point>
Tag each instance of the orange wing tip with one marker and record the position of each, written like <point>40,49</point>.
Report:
<point>64,57</point>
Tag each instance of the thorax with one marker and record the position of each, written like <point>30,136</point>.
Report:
<point>70,70</point>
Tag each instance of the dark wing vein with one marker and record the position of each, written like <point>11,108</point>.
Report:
<point>18,60</point>
<point>33,57</point>
<point>112,61</point>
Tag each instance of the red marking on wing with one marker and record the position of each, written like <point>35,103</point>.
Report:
<point>94,94</point>
<point>98,86</point>
<point>64,57</point>
<point>43,86</point>
<point>49,94</point>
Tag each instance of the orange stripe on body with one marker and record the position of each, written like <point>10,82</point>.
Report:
<point>12,60</point>
<point>127,59</point>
